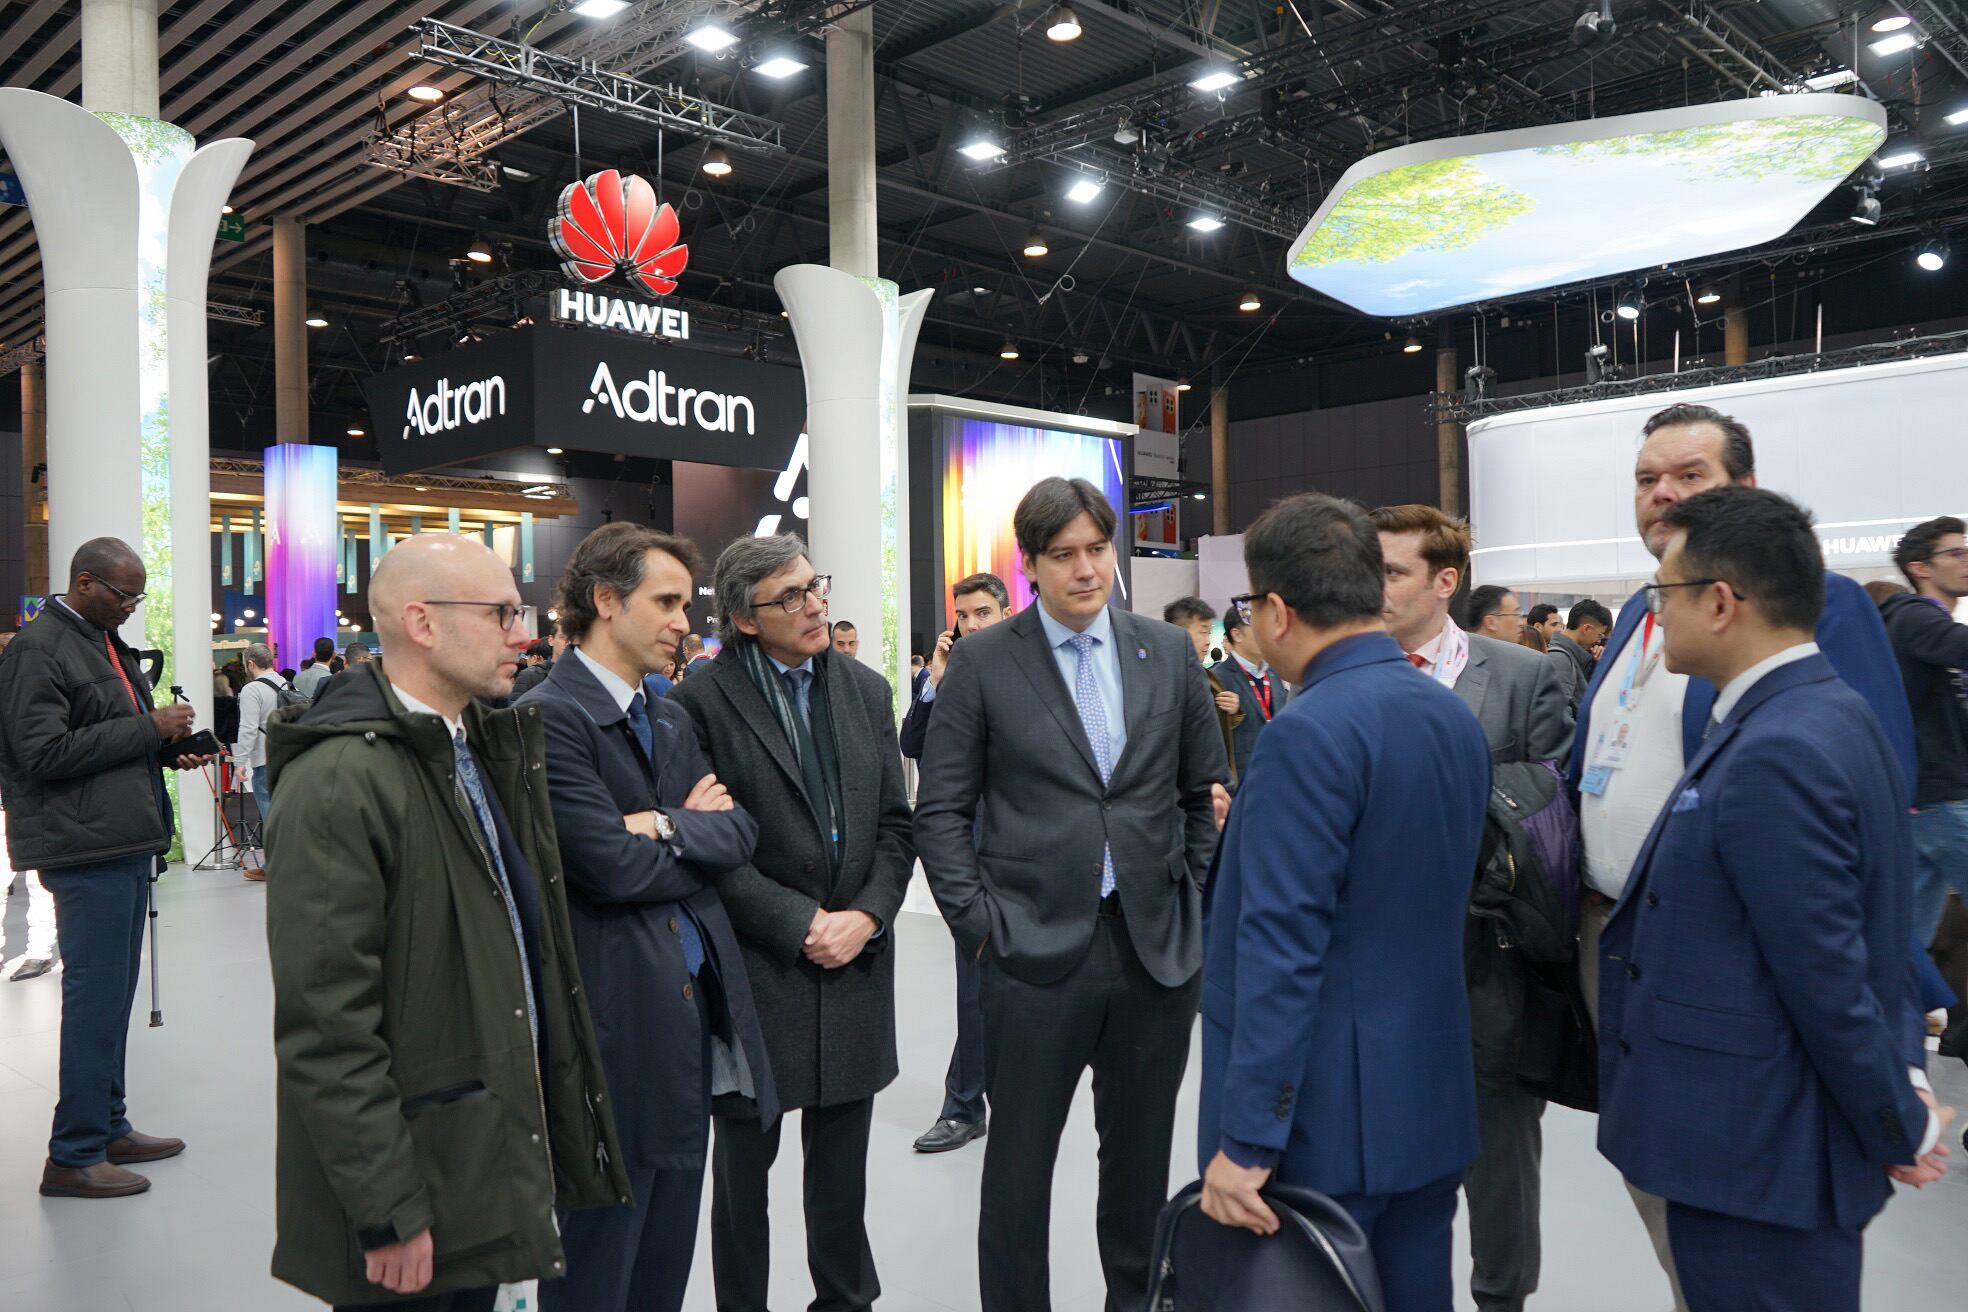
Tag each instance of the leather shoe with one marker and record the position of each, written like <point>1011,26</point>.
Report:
<point>33,968</point>
<point>134,1147</point>
<point>947,1134</point>
<point>103,1180</point>
<point>254,873</point>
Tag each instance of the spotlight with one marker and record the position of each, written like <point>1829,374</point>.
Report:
<point>411,357</point>
<point>1249,301</point>
<point>1707,296</point>
<point>1628,307</point>
<point>1895,44</point>
<point>780,67</point>
<point>716,162</point>
<point>711,38</point>
<point>517,174</point>
<point>980,291</point>
<point>1215,80</point>
<point>1478,379</point>
<point>1867,210</point>
<point>316,319</point>
<point>1594,25</point>
<point>1411,346</point>
<point>1836,78</point>
<point>249,614</point>
<point>1009,351</point>
<point>1182,384</point>
<point>358,432</point>
<point>480,251</point>
<point>1890,20</point>
<point>1933,255</point>
<point>425,94</point>
<point>1206,223</point>
<point>1900,159</point>
<point>981,148</point>
<point>1063,24</point>
<point>600,8</point>
<point>1958,117</point>
<point>227,209</point>
<point>1085,190</point>
<point>555,451</point>
<point>1199,496</point>
<point>1035,244</point>
<point>215,617</point>
<point>1080,356</point>
<point>1597,368</point>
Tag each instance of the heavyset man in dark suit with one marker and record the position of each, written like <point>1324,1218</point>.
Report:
<point>805,737</point>
<point>1089,737</point>
<point>1259,689</point>
<point>1334,1021</point>
<point>979,601</point>
<point>1754,1069</point>
<point>645,830</point>
<point>1516,696</point>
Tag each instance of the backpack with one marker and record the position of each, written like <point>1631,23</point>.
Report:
<point>284,695</point>
<point>1527,871</point>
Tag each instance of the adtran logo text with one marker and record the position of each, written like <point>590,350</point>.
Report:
<point>599,311</point>
<point>653,400</point>
<point>446,407</point>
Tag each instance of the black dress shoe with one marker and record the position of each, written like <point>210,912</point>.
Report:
<point>947,1134</point>
<point>134,1147</point>
<point>103,1180</point>
<point>33,968</point>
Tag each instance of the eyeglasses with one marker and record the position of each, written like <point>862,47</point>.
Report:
<point>1654,592</point>
<point>793,600</point>
<point>1244,603</point>
<point>133,598</point>
<point>1952,553</point>
<point>509,614</point>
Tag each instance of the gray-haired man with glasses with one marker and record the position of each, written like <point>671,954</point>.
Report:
<point>805,740</point>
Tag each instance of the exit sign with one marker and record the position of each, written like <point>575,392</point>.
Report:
<point>232,228</point>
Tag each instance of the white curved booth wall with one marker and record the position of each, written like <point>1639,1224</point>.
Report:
<point>1871,451</point>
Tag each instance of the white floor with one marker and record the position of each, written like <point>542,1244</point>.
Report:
<point>199,1241</point>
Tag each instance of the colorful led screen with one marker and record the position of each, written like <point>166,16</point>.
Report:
<point>304,539</point>
<point>1449,223</point>
<point>987,466</point>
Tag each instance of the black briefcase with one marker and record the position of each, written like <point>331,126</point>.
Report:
<point>1317,1262</point>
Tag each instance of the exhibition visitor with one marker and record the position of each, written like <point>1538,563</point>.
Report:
<point>1195,617</point>
<point>38,954</point>
<point>847,639</point>
<point>1492,611</point>
<point>1261,692</point>
<point>314,671</point>
<point>1546,619</point>
<point>257,702</point>
<point>1571,648</point>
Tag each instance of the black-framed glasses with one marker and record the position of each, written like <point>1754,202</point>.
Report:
<point>133,598</point>
<point>1244,604</point>
<point>1655,593</point>
<point>793,600</point>
<point>509,614</point>
<point>1952,553</point>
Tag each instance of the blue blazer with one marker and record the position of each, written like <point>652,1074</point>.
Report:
<point>1754,976</point>
<point>1335,1023</point>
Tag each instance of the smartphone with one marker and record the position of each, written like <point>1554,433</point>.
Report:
<point>202,743</point>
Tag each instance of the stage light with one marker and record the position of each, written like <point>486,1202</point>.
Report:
<point>1595,24</point>
<point>600,8</point>
<point>1009,351</point>
<point>1182,384</point>
<point>1199,496</point>
<point>1080,357</point>
<point>480,251</point>
<point>1250,301</point>
<point>1900,159</point>
<point>1085,190</point>
<point>1215,80</point>
<point>717,163</point>
<point>1206,223</point>
<point>425,94</point>
<point>711,38</point>
<point>1707,296</point>
<point>316,319</point>
<point>1063,24</point>
<point>1836,78</point>
<point>1895,44</point>
<point>1628,308</point>
<point>1933,255</point>
<point>1035,244</point>
<point>1866,212</point>
<point>518,174</point>
<point>555,451</point>
<point>1958,117</point>
<point>1411,346</point>
<point>358,432</point>
<point>780,67</point>
<point>981,148</point>
<point>1890,20</point>
<point>411,357</point>
<point>980,291</point>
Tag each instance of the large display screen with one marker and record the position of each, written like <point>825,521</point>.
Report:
<point>1448,223</point>
<point>987,466</point>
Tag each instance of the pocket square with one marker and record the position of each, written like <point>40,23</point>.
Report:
<point>1689,800</point>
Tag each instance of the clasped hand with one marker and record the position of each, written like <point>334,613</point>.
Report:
<point>1934,1165</point>
<point>837,937</point>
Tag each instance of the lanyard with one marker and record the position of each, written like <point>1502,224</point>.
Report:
<point>1639,668</point>
<point>117,665</point>
<point>1261,683</point>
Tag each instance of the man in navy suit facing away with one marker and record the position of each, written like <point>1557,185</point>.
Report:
<point>1336,1042</point>
<point>1753,990</point>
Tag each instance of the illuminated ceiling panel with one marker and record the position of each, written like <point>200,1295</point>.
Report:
<point>1447,223</point>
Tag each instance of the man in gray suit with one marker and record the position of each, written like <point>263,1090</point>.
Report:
<point>1517,697</point>
<point>804,739</point>
<point>1571,647</point>
<point>1090,737</point>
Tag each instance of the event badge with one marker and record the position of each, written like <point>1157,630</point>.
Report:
<point>1609,753</point>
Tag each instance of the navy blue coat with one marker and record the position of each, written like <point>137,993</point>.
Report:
<point>626,894</point>
<point>1754,977</point>
<point>1243,738</point>
<point>1335,1027</point>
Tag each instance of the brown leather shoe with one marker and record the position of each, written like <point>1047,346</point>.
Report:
<point>103,1180</point>
<point>254,873</point>
<point>134,1147</point>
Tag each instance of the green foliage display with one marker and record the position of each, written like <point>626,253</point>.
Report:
<point>1439,205</point>
<point>1813,147</point>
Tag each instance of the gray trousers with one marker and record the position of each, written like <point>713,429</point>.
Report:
<point>1653,1211</point>
<point>1503,1187</point>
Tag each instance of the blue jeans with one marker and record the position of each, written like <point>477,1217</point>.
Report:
<point>263,796</point>
<point>1940,839</point>
<point>99,923</point>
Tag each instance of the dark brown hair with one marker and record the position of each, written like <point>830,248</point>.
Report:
<point>614,556</point>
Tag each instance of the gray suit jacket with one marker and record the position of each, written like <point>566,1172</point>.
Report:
<point>1007,733</point>
<point>1574,666</point>
<point>830,1033</point>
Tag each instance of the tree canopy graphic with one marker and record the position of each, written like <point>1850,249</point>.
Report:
<point>1810,147</point>
<point>1440,205</point>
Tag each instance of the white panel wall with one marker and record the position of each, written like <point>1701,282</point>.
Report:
<point>1158,581</point>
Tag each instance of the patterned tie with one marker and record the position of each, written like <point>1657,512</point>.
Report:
<point>1093,718</point>
<point>796,688</point>
<point>687,933</point>
<point>474,790</point>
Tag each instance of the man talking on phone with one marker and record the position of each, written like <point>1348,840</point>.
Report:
<point>80,748</point>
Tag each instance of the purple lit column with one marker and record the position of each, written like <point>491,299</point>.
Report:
<point>302,543</point>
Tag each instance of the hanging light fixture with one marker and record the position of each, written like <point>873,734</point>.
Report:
<point>316,319</point>
<point>480,251</point>
<point>1035,244</point>
<point>425,94</point>
<point>1411,346</point>
<point>1009,351</point>
<point>1707,296</point>
<point>600,8</point>
<point>1933,256</point>
<point>717,163</point>
<point>1250,300</point>
<point>1062,24</point>
<point>1628,306</point>
<point>1182,384</point>
<point>356,431</point>
<point>1890,19</point>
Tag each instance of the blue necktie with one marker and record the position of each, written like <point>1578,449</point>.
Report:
<point>1093,718</point>
<point>474,790</point>
<point>796,688</point>
<point>693,941</point>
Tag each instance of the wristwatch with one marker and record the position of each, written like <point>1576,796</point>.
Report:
<point>666,829</point>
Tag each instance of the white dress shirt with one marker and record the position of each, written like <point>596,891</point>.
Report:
<point>454,723</point>
<point>1614,825</point>
<point>608,679</point>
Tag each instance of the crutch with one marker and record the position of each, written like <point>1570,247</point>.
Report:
<point>150,897</point>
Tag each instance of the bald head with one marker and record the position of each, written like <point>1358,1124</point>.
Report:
<point>435,601</point>
<point>433,566</point>
<point>104,558</point>
<point>106,580</point>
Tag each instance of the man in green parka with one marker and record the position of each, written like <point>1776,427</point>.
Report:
<point>440,1086</point>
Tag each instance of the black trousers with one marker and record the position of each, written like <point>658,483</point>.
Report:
<point>834,1141</point>
<point>963,1086</point>
<point>631,1259</point>
<point>1503,1185</point>
<point>458,1300</point>
<point>1108,1014</point>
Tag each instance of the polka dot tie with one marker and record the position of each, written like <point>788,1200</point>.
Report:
<point>1093,718</point>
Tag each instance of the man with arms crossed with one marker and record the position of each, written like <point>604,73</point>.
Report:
<point>1333,1014</point>
<point>1089,737</point>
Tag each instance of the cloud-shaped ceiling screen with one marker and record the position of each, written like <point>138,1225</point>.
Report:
<point>1447,223</point>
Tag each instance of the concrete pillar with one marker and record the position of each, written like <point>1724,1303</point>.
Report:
<point>1735,325</point>
<point>1219,452</point>
<point>290,363</point>
<point>34,477</point>
<point>119,57</point>
<point>851,145</point>
<point>1448,437</point>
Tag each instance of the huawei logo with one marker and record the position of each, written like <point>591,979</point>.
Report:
<point>611,224</point>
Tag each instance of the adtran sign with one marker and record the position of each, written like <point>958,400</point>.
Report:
<point>655,400</point>
<point>598,310</point>
<point>448,406</point>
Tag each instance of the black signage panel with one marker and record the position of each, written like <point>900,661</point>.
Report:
<point>586,391</point>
